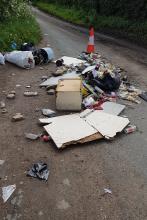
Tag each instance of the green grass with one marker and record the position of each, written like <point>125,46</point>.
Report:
<point>118,26</point>
<point>19,31</point>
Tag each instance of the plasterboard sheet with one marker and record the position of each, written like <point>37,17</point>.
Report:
<point>112,108</point>
<point>107,124</point>
<point>69,129</point>
<point>89,68</point>
<point>71,61</point>
<point>53,81</point>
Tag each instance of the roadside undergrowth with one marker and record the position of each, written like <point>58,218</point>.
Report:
<point>118,26</point>
<point>19,30</point>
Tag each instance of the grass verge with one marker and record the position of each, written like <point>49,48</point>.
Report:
<point>121,27</point>
<point>19,31</point>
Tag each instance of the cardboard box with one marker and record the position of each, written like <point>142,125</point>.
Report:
<point>68,96</point>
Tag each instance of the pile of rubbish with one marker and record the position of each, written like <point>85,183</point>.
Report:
<point>28,56</point>
<point>92,85</point>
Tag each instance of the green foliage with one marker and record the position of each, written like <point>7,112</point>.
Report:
<point>116,25</point>
<point>17,8</point>
<point>132,9</point>
<point>19,30</point>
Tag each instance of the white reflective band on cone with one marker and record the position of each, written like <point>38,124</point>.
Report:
<point>91,40</point>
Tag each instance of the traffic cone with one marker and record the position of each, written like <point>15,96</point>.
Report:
<point>90,47</point>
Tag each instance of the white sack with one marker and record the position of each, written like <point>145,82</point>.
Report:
<point>22,59</point>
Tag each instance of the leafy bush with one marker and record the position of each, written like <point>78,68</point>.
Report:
<point>19,31</point>
<point>132,9</point>
<point>116,25</point>
<point>17,8</point>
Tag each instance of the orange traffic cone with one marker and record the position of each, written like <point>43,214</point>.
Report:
<point>90,47</point>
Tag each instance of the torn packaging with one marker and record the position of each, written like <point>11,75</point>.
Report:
<point>39,170</point>
<point>88,126</point>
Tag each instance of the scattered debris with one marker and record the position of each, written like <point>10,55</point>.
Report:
<point>59,62</point>
<point>2,104</point>
<point>51,92</point>
<point>18,85</point>
<point>7,192</point>
<point>48,112</point>
<point>41,68</point>
<point>2,162</point>
<point>60,71</point>
<point>28,87</point>
<point>109,191</point>
<point>4,110</point>
<point>39,170</point>
<point>32,136</point>
<point>46,138</point>
<point>68,61</point>
<point>43,78</point>
<point>30,94</point>
<point>11,96</point>
<point>27,47</point>
<point>130,129</point>
<point>17,117</point>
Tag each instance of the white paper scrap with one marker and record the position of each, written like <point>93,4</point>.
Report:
<point>7,192</point>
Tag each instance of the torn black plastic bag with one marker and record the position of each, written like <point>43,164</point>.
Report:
<point>39,170</point>
<point>27,47</point>
<point>107,83</point>
<point>40,56</point>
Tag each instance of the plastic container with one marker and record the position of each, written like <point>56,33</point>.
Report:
<point>50,53</point>
<point>130,129</point>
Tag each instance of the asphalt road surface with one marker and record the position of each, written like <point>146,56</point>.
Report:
<point>78,174</point>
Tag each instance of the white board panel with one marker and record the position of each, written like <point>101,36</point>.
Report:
<point>112,108</point>
<point>68,128</point>
<point>107,124</point>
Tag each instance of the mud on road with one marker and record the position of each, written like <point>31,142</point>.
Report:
<point>78,174</point>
